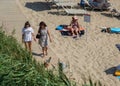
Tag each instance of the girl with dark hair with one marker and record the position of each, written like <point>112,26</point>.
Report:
<point>44,34</point>
<point>27,35</point>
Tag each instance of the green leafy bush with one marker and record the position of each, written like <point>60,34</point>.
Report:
<point>17,68</point>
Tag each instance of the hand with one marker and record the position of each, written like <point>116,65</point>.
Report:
<point>50,40</point>
<point>35,39</point>
<point>22,40</point>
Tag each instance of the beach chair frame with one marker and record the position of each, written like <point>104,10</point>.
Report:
<point>72,11</point>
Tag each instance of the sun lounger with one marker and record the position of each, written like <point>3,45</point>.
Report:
<point>115,12</point>
<point>56,2</point>
<point>102,5</point>
<point>61,1</point>
<point>72,11</point>
<point>71,4</point>
<point>75,11</point>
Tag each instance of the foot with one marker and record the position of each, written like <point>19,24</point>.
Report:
<point>43,55</point>
<point>46,53</point>
<point>75,36</point>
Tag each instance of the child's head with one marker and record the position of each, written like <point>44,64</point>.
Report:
<point>42,24</point>
<point>74,18</point>
<point>27,24</point>
<point>108,30</point>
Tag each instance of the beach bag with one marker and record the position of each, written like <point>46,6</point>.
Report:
<point>38,36</point>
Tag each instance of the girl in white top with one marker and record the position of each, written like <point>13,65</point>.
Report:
<point>27,35</point>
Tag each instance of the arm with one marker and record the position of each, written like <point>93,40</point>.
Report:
<point>38,31</point>
<point>22,35</point>
<point>78,25</point>
<point>33,36</point>
<point>32,32</point>
<point>49,35</point>
<point>22,38</point>
<point>71,23</point>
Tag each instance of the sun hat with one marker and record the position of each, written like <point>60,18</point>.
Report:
<point>75,17</point>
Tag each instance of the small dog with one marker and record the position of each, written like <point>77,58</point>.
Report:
<point>47,62</point>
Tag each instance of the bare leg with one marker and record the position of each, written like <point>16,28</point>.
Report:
<point>76,31</point>
<point>29,45</point>
<point>46,48</point>
<point>43,50</point>
<point>72,31</point>
<point>26,45</point>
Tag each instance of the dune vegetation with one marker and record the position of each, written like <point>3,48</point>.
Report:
<point>17,68</point>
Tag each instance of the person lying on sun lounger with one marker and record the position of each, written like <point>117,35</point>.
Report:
<point>111,29</point>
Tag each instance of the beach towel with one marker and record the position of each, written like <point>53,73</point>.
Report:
<point>115,30</point>
<point>60,27</point>
<point>63,30</point>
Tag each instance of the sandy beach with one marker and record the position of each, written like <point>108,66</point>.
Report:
<point>88,56</point>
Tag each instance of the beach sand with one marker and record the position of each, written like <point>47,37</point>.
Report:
<point>89,56</point>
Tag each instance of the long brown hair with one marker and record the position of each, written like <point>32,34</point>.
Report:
<point>27,23</point>
<point>40,26</point>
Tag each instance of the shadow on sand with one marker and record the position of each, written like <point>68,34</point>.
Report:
<point>110,15</point>
<point>107,15</point>
<point>36,54</point>
<point>54,13</point>
<point>38,6</point>
<point>111,70</point>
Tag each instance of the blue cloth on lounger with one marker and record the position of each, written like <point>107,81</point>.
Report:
<point>118,77</point>
<point>115,29</point>
<point>60,27</point>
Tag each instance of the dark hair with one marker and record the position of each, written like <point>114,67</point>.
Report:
<point>40,24</point>
<point>104,30</point>
<point>27,23</point>
<point>108,30</point>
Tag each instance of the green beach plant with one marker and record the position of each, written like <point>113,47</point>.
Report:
<point>17,67</point>
<point>91,83</point>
